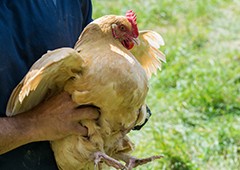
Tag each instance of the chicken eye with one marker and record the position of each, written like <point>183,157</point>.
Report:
<point>122,28</point>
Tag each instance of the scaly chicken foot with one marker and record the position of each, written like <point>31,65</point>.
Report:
<point>132,162</point>
<point>100,156</point>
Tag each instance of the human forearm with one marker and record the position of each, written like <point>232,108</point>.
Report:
<point>14,132</point>
<point>51,120</point>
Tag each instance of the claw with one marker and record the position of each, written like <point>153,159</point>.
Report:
<point>134,162</point>
<point>99,157</point>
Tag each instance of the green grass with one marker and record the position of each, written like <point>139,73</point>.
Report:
<point>195,99</point>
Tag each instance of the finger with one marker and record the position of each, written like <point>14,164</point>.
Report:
<point>62,98</point>
<point>80,130</point>
<point>65,100</point>
<point>85,113</point>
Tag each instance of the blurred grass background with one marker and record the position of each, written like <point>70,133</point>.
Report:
<point>195,99</point>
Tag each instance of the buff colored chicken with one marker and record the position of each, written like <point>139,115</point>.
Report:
<point>109,68</point>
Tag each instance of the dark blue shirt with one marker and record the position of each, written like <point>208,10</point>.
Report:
<point>28,28</point>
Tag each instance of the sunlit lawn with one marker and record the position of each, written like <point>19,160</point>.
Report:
<point>195,99</point>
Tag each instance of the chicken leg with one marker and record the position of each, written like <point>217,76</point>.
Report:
<point>100,156</point>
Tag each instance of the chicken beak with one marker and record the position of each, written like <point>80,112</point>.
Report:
<point>136,41</point>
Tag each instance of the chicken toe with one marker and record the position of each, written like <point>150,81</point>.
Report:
<point>132,162</point>
<point>100,156</point>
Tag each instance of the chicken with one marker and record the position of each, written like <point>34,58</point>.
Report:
<point>108,68</point>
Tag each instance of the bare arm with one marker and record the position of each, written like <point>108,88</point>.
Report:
<point>51,120</point>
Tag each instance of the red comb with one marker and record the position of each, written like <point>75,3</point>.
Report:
<point>132,18</point>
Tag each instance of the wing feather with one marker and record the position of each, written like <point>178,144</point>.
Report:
<point>47,76</point>
<point>148,53</point>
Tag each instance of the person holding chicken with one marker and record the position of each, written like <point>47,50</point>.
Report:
<point>27,30</point>
<point>109,68</point>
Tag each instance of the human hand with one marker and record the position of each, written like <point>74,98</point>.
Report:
<point>58,117</point>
